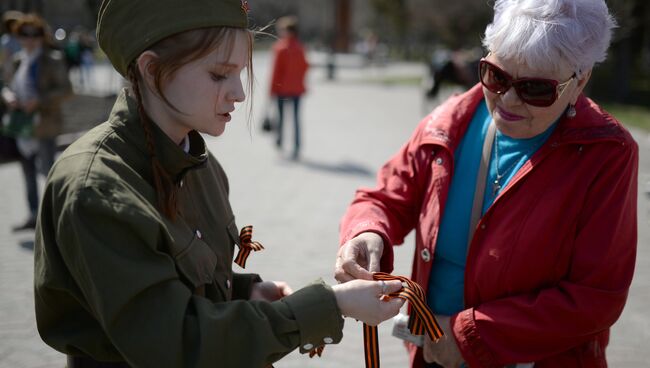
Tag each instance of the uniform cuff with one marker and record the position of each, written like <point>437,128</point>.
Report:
<point>242,284</point>
<point>317,314</point>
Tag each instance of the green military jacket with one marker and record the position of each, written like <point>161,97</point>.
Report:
<point>117,281</point>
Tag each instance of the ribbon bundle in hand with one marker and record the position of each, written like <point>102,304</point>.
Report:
<point>246,245</point>
<point>421,318</point>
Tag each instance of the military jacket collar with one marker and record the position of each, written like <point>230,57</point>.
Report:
<point>126,121</point>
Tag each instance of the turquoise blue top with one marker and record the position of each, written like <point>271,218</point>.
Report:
<point>446,281</point>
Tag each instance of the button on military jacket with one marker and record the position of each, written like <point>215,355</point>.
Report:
<point>117,281</point>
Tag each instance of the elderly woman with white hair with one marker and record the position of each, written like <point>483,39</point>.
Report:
<point>522,192</point>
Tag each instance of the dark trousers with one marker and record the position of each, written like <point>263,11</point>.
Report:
<point>296,120</point>
<point>41,162</point>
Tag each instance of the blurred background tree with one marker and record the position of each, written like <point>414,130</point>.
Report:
<point>392,16</point>
<point>411,29</point>
<point>625,76</point>
<point>454,24</point>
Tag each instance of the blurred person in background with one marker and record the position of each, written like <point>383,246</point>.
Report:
<point>79,55</point>
<point>288,79</point>
<point>9,44</point>
<point>33,98</point>
<point>523,195</point>
<point>136,235</point>
<point>87,61</point>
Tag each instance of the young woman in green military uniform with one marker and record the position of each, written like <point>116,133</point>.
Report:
<point>136,237</point>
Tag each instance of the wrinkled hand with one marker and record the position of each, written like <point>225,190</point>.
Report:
<point>12,104</point>
<point>9,98</point>
<point>30,105</point>
<point>359,299</point>
<point>445,352</point>
<point>270,290</point>
<point>359,257</point>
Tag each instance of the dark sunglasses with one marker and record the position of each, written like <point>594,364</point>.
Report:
<point>538,92</point>
<point>30,33</point>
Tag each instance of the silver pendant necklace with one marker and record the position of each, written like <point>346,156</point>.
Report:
<point>496,184</point>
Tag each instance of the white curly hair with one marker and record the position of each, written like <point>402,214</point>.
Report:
<point>551,34</point>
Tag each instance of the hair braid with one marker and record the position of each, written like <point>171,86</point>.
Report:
<point>166,190</point>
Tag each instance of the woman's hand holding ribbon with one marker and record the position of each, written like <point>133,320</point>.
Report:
<point>359,257</point>
<point>445,352</point>
<point>360,299</point>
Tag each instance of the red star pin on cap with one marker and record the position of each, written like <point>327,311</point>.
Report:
<point>244,6</point>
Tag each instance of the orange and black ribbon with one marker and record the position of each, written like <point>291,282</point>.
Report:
<point>420,321</point>
<point>316,351</point>
<point>246,245</point>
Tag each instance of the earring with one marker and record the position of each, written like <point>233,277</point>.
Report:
<point>571,111</point>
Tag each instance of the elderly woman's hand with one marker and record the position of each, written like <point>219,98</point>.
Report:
<point>445,352</point>
<point>359,257</point>
<point>360,299</point>
<point>30,105</point>
<point>9,98</point>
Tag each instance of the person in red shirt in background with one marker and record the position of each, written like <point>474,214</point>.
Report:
<point>289,69</point>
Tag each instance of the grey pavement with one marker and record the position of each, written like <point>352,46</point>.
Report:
<point>350,127</point>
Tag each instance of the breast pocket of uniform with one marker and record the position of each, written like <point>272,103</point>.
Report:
<point>197,263</point>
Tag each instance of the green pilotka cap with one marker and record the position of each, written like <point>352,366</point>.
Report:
<point>126,28</point>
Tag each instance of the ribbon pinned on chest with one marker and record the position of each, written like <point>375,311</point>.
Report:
<point>421,318</point>
<point>246,245</point>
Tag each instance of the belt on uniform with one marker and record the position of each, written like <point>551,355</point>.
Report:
<point>421,318</point>
<point>75,361</point>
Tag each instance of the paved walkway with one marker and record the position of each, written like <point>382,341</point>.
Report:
<point>350,129</point>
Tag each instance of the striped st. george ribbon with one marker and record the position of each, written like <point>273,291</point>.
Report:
<point>246,245</point>
<point>421,318</point>
<point>317,351</point>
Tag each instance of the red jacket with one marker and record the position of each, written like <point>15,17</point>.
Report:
<point>552,259</point>
<point>289,68</point>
